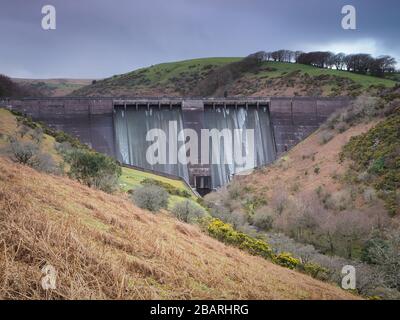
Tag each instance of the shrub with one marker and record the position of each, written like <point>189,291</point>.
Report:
<point>325,137</point>
<point>92,168</point>
<point>235,190</point>
<point>23,130</point>
<point>263,218</point>
<point>339,200</point>
<point>168,187</point>
<point>369,195</point>
<point>285,259</point>
<point>254,202</point>
<point>341,127</point>
<point>225,233</point>
<point>44,162</point>
<point>106,182</point>
<point>188,211</point>
<point>315,271</point>
<point>237,218</point>
<point>152,198</point>
<point>37,135</point>
<point>23,152</point>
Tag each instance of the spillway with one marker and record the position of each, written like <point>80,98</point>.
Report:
<point>133,123</point>
<point>235,119</point>
<point>131,127</point>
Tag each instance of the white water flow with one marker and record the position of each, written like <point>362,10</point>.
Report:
<point>131,127</point>
<point>230,118</point>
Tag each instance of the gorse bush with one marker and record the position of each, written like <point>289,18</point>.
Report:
<point>285,259</point>
<point>188,211</point>
<point>93,169</point>
<point>225,233</point>
<point>150,197</point>
<point>315,271</point>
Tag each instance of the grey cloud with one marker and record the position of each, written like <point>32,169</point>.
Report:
<point>99,38</point>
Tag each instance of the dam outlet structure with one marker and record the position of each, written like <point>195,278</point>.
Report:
<point>256,128</point>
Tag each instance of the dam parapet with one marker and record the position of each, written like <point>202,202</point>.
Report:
<point>117,126</point>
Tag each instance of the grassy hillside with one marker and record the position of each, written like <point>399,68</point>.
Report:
<point>52,87</point>
<point>175,78</point>
<point>269,79</point>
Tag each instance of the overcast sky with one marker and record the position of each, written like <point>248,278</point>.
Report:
<point>99,38</point>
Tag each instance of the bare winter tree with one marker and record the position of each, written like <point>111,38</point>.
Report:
<point>338,60</point>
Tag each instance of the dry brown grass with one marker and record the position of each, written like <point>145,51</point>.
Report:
<point>103,247</point>
<point>298,167</point>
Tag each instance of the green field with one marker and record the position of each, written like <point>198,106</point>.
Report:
<point>179,76</point>
<point>165,72</point>
<point>131,179</point>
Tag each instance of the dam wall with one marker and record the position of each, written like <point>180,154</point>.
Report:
<point>282,122</point>
<point>296,118</point>
<point>89,120</point>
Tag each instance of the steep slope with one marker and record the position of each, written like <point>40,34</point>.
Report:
<point>193,78</point>
<point>102,246</point>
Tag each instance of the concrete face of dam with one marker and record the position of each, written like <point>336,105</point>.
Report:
<point>117,127</point>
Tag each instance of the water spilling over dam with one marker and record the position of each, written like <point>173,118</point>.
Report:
<point>118,127</point>
<point>131,127</point>
<point>231,118</point>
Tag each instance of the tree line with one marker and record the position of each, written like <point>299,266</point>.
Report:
<point>359,63</point>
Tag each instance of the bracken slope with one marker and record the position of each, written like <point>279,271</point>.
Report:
<point>103,247</point>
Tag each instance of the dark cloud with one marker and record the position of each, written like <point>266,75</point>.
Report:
<point>98,38</point>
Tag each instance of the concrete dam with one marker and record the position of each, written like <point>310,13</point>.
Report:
<point>118,127</point>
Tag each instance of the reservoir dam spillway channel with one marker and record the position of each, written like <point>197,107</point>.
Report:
<point>226,123</point>
<point>257,129</point>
